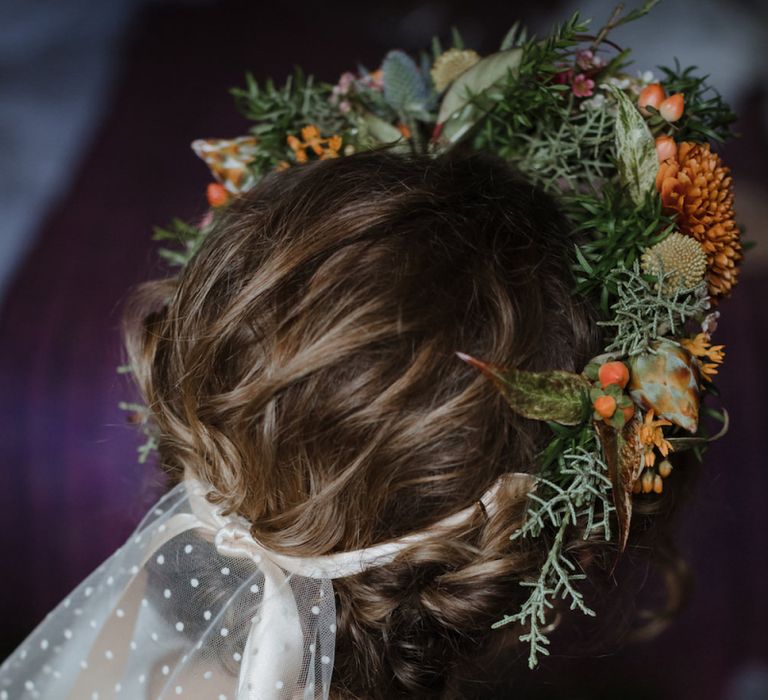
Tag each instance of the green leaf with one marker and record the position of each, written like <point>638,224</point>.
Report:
<point>635,149</point>
<point>404,86</point>
<point>378,129</point>
<point>486,73</point>
<point>556,395</point>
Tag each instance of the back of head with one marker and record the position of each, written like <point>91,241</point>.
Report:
<point>304,365</point>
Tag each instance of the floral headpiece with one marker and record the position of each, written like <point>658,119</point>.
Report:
<point>631,160</point>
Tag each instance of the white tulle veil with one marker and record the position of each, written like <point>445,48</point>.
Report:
<point>192,607</point>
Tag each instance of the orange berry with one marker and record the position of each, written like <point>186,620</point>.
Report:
<point>628,412</point>
<point>405,132</point>
<point>658,484</point>
<point>637,487</point>
<point>665,468</point>
<point>647,481</point>
<point>672,108</point>
<point>605,406</point>
<point>217,194</point>
<point>613,373</point>
<point>665,148</point>
<point>651,96</point>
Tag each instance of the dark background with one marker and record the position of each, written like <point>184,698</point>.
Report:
<point>98,104</point>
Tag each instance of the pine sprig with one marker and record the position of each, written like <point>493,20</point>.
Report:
<point>644,311</point>
<point>578,491</point>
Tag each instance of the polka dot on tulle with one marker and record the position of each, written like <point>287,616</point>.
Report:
<point>332,628</point>
<point>166,670</point>
<point>254,588</point>
<point>44,644</point>
<point>311,648</point>
<point>194,582</point>
<point>68,634</point>
<point>188,549</point>
<point>158,511</point>
<point>279,685</point>
<point>315,610</point>
<point>3,695</point>
<point>120,612</point>
<point>133,646</point>
<point>154,636</point>
<point>180,626</point>
<point>225,570</point>
<point>144,602</point>
<point>142,678</point>
<point>207,615</point>
<point>109,654</point>
<point>224,631</point>
<point>83,664</point>
<point>94,696</point>
<point>110,580</point>
<point>222,697</point>
<point>134,569</point>
<point>167,593</point>
<point>160,559</point>
<point>237,656</point>
<point>257,558</point>
<point>88,590</point>
<point>161,528</point>
<point>207,675</point>
<point>118,687</point>
<point>29,685</point>
<point>325,660</point>
<point>178,690</point>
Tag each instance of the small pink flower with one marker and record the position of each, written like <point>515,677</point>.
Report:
<point>346,81</point>
<point>587,60</point>
<point>583,86</point>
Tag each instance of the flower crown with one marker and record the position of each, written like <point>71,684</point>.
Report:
<point>630,159</point>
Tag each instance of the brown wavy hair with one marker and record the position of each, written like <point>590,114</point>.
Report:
<point>303,363</point>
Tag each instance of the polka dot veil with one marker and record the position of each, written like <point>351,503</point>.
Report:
<point>190,607</point>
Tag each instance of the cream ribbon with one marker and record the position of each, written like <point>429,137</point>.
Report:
<point>277,631</point>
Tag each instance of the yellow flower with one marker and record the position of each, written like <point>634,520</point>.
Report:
<point>652,436</point>
<point>701,349</point>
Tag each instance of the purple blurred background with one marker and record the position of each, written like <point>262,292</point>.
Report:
<point>98,104</point>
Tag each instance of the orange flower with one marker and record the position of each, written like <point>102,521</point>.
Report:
<point>311,138</point>
<point>701,349</point>
<point>697,187</point>
<point>652,436</point>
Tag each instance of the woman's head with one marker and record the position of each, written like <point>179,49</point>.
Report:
<point>304,364</point>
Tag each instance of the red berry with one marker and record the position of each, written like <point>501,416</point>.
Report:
<point>605,406</point>
<point>613,373</point>
<point>217,194</point>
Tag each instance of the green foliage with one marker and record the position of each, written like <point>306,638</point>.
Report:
<point>645,312</point>
<point>574,492</point>
<point>611,230</point>
<point>187,236</point>
<point>706,117</point>
<point>277,112</point>
<point>561,149</point>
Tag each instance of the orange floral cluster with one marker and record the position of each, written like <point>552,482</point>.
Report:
<point>696,186</point>
<point>651,435</point>
<point>702,350</point>
<point>311,139</point>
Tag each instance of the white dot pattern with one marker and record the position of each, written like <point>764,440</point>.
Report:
<point>178,612</point>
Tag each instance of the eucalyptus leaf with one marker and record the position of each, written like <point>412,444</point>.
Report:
<point>486,73</point>
<point>635,149</point>
<point>556,395</point>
